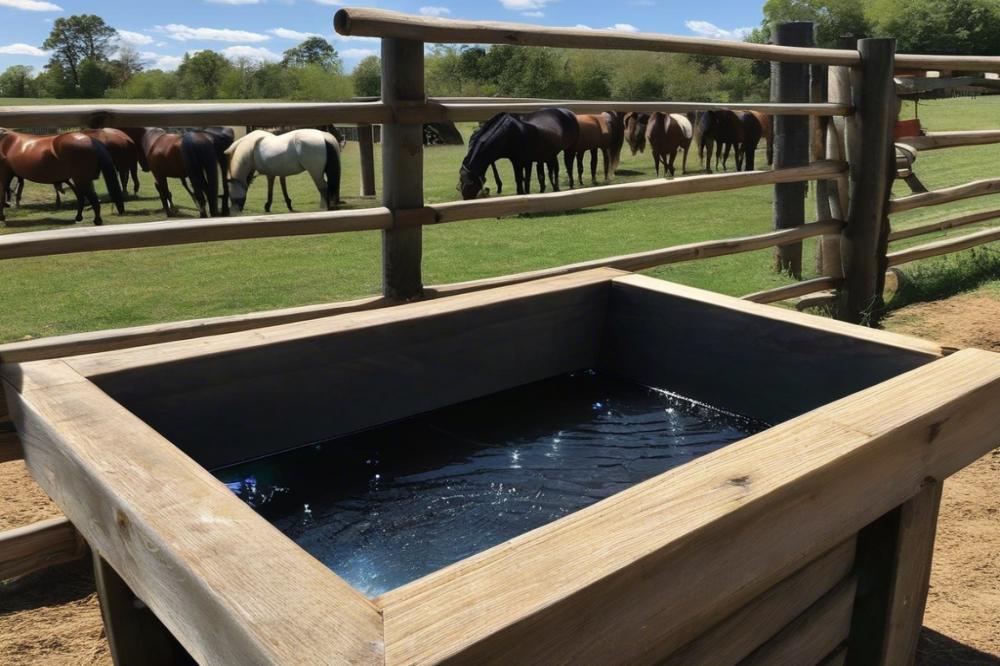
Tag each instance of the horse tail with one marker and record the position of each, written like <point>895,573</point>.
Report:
<point>332,173</point>
<point>110,173</point>
<point>202,166</point>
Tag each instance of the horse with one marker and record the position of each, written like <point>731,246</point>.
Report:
<point>635,131</point>
<point>197,155</point>
<point>615,120</point>
<point>595,135</point>
<point>124,153</point>
<point>537,138</point>
<point>283,155</point>
<point>73,157</point>
<point>666,134</point>
<point>767,134</point>
<point>14,192</point>
<point>721,128</point>
<point>752,133</point>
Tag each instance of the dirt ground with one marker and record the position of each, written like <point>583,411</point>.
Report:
<point>53,617</point>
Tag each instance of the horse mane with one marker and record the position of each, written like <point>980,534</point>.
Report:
<point>483,136</point>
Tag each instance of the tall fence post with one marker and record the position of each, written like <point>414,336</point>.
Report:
<point>829,262</point>
<point>402,167</point>
<point>865,237</point>
<point>366,152</point>
<point>790,84</point>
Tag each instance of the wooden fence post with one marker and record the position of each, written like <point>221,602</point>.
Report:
<point>790,83</point>
<point>872,169</point>
<point>837,129</point>
<point>366,151</point>
<point>402,167</point>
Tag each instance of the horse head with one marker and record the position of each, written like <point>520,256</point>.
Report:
<point>469,184</point>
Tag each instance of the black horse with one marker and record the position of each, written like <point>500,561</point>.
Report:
<point>537,138</point>
<point>752,133</point>
<point>723,129</point>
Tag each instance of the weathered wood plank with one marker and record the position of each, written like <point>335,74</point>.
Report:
<point>813,635</point>
<point>180,232</point>
<point>911,575</point>
<point>794,290</point>
<point>938,140</point>
<point>744,631</point>
<point>366,152</point>
<point>977,188</point>
<point>24,550</point>
<point>178,537</point>
<point>693,545</point>
<point>944,246</point>
<point>10,443</point>
<point>549,202</point>
<point>950,223</point>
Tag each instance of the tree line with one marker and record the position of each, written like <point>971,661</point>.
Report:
<point>88,60</point>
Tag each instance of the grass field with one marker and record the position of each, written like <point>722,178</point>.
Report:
<point>62,294</point>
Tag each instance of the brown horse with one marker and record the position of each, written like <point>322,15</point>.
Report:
<point>635,131</point>
<point>615,121</point>
<point>595,135</point>
<point>767,133</point>
<point>73,157</point>
<point>752,134</point>
<point>723,129</point>
<point>666,134</point>
<point>124,153</point>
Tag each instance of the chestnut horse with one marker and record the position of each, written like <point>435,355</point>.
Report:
<point>635,131</point>
<point>536,138</point>
<point>766,133</point>
<point>73,157</point>
<point>666,134</point>
<point>723,129</point>
<point>752,133</point>
<point>197,154</point>
<point>595,135</point>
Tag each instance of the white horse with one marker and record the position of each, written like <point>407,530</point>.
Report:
<point>280,156</point>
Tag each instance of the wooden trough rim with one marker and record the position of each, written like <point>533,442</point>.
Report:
<point>176,535</point>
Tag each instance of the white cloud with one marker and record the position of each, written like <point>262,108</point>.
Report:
<point>285,33</point>
<point>712,31</point>
<point>622,27</point>
<point>258,53</point>
<point>235,2</point>
<point>157,61</point>
<point>23,49</point>
<point>357,53</point>
<point>134,38</point>
<point>582,26</point>
<point>527,7</point>
<point>535,14</point>
<point>335,3</point>
<point>435,11</point>
<point>31,5</point>
<point>183,33</point>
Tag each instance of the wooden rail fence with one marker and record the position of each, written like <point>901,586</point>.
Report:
<point>852,156</point>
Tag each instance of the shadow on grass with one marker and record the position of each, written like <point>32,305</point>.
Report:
<point>935,649</point>
<point>946,276</point>
<point>562,213</point>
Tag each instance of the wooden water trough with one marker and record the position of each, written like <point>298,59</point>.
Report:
<point>809,541</point>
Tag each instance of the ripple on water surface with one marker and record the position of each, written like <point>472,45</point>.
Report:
<point>389,505</point>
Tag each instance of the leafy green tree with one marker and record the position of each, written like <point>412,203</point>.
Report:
<point>127,63</point>
<point>200,75</point>
<point>74,39</point>
<point>833,18</point>
<point>367,77</point>
<point>313,51</point>
<point>94,78</point>
<point>56,82</point>
<point>970,27</point>
<point>318,84</point>
<point>17,81</point>
<point>152,84</point>
<point>272,81</point>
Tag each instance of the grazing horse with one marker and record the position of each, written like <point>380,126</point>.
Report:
<point>615,121</point>
<point>723,129</point>
<point>635,131</point>
<point>537,138</point>
<point>283,155</point>
<point>666,134</point>
<point>752,132</point>
<point>767,133</point>
<point>595,135</point>
<point>73,157</point>
<point>196,154</point>
<point>124,152</point>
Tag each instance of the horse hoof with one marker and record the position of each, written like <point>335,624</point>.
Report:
<point>98,222</point>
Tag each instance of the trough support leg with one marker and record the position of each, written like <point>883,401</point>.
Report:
<point>791,142</point>
<point>366,149</point>
<point>872,170</point>
<point>135,635</point>
<point>402,168</point>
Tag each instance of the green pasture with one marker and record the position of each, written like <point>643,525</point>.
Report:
<point>63,294</point>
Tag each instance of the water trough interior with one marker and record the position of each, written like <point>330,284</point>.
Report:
<point>400,442</point>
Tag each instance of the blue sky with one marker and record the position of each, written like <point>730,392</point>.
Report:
<point>163,30</point>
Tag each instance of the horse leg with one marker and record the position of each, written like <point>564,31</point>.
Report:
<point>684,164</point>
<point>85,189</point>
<point>58,188</point>
<point>135,179</point>
<point>4,192</point>
<point>593,166</point>
<point>20,191</point>
<point>568,162</point>
<point>161,188</point>
<point>579,166</point>
<point>284,193</point>
<point>554,173</point>
<point>270,194</point>
<point>496,178</point>
<point>187,188</point>
<point>606,154</point>
<point>540,169</point>
<point>78,192</point>
<point>670,165</point>
<point>526,177</point>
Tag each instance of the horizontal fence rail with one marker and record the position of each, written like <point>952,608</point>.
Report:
<point>552,202</point>
<point>24,550</point>
<point>977,188</point>
<point>945,246</point>
<point>155,234</point>
<point>950,223</point>
<point>10,443</point>
<point>794,290</point>
<point>938,140</point>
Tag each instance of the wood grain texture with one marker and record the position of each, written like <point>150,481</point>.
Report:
<point>950,223</point>
<point>549,202</point>
<point>366,155</point>
<point>366,22</point>
<point>911,575</point>
<point>813,635</point>
<point>10,443</point>
<point>634,577</point>
<point>794,290</point>
<point>193,115</point>
<point>179,232</point>
<point>733,639</point>
<point>24,550</point>
<point>230,587</point>
<point>977,188</point>
<point>937,140</point>
<point>939,62</point>
<point>944,246</point>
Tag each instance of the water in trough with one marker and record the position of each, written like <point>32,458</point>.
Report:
<point>389,505</point>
